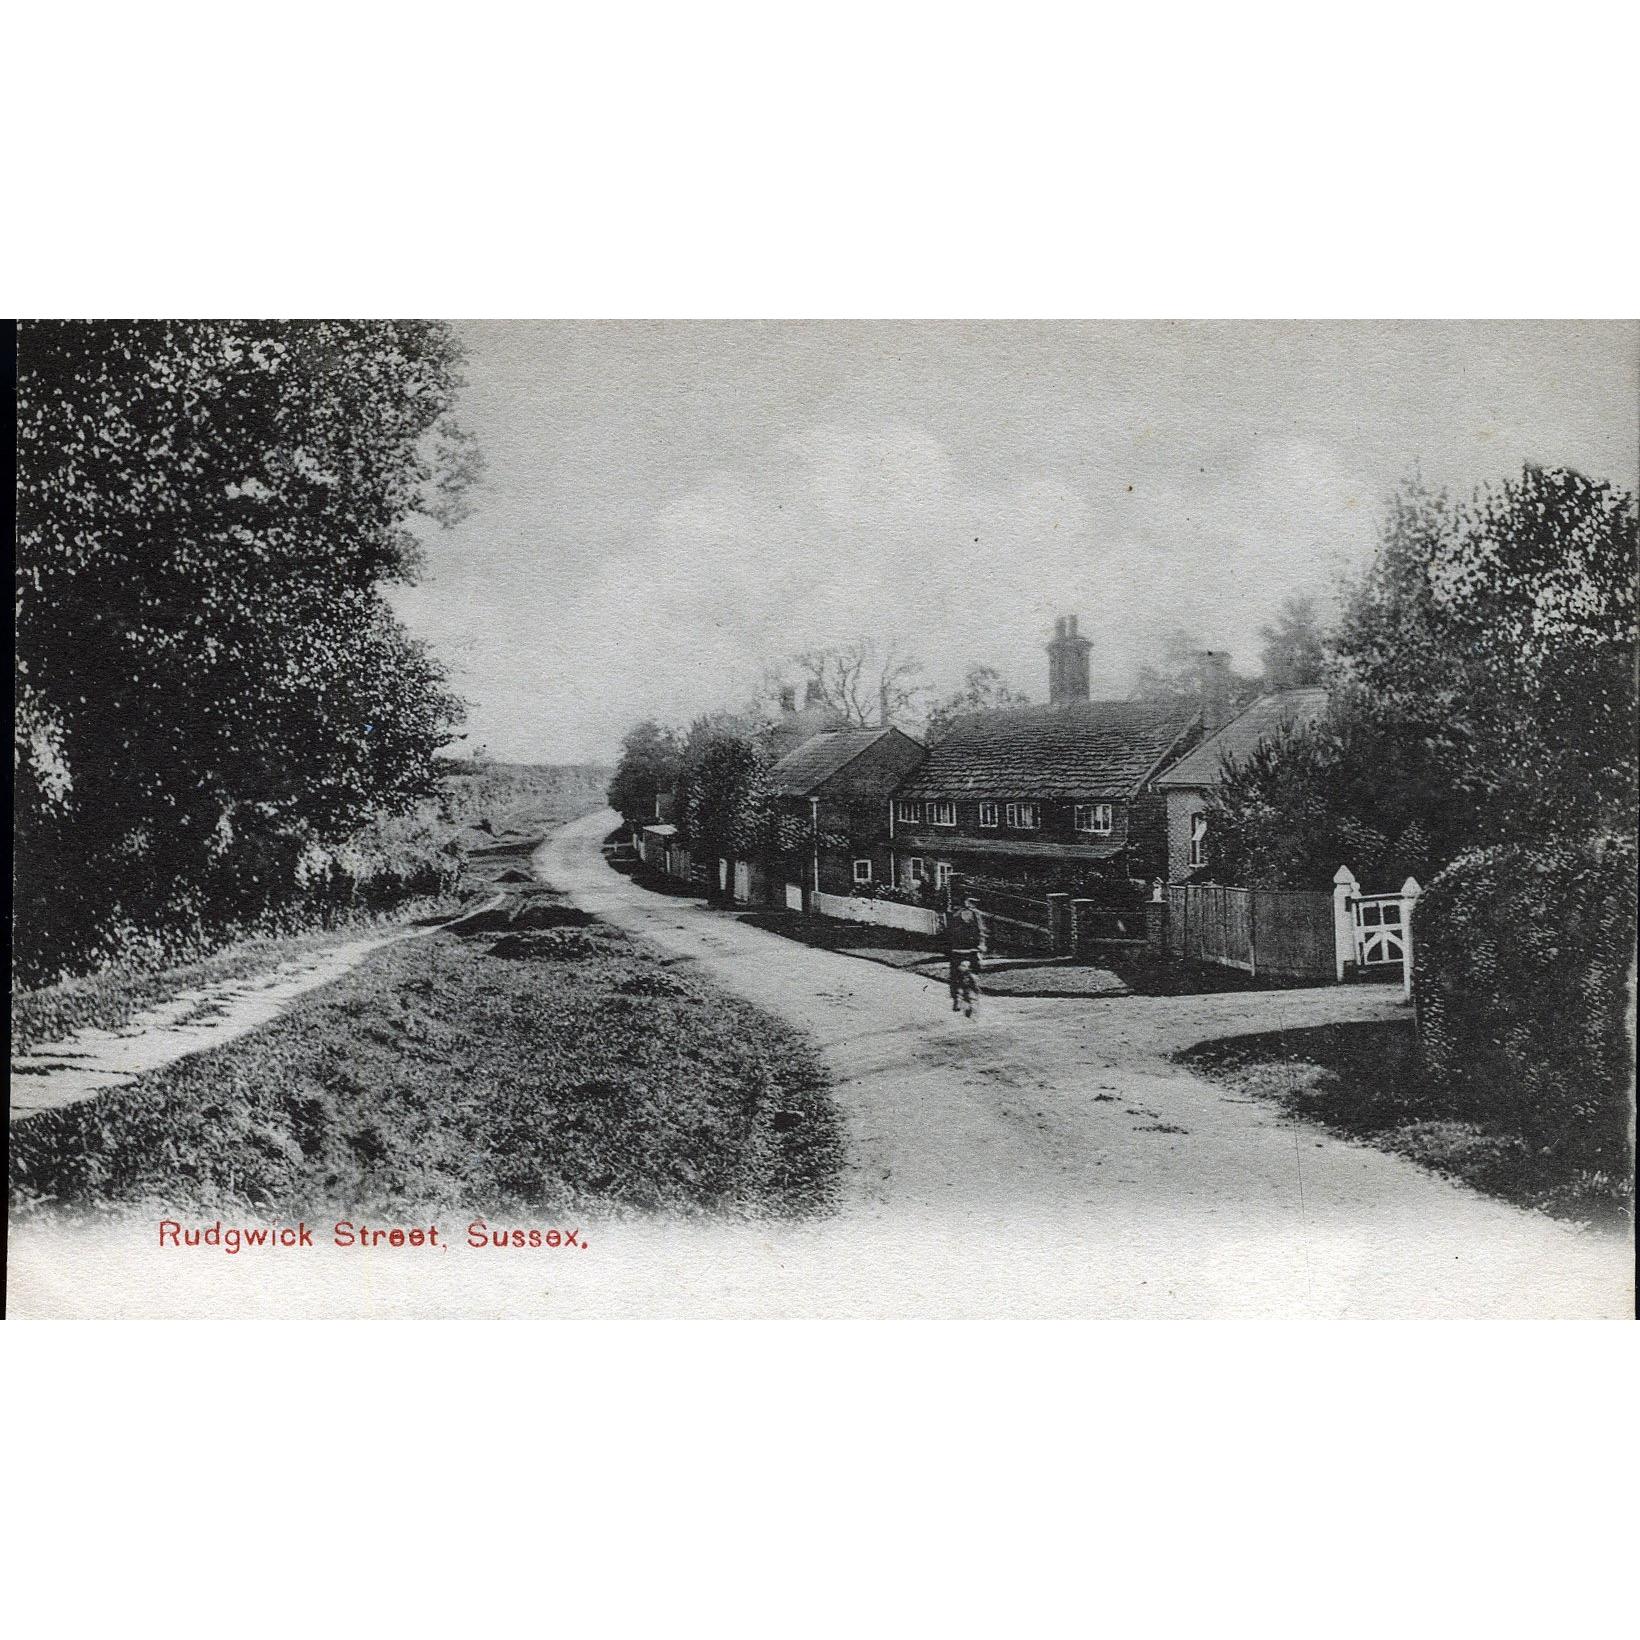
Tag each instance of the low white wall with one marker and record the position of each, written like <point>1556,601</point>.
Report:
<point>914,919</point>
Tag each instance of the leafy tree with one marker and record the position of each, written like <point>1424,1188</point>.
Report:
<point>1177,674</point>
<point>1355,790</point>
<point>983,690</point>
<point>1502,632</point>
<point>208,676</point>
<point>1294,653</point>
<point>1484,694</point>
<point>722,807</point>
<point>651,758</point>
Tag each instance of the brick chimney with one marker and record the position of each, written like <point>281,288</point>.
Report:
<point>1215,682</point>
<point>1067,662</point>
<point>882,704</point>
<point>812,695</point>
<point>788,700</point>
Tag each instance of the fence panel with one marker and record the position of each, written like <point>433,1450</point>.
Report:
<point>1258,930</point>
<point>1294,933</point>
<point>913,919</point>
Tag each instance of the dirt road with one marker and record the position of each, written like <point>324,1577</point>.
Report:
<point>1049,1159</point>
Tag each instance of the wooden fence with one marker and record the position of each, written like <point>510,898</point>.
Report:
<point>1283,932</point>
<point>1013,922</point>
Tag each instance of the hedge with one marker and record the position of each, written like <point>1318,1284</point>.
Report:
<point>1522,962</point>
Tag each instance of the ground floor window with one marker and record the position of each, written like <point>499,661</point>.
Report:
<point>942,873</point>
<point>862,871</point>
<point>1198,840</point>
<point>919,871</point>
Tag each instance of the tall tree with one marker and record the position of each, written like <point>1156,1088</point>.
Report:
<point>1502,630</point>
<point>208,674</point>
<point>859,679</point>
<point>651,759</point>
<point>1295,652</point>
<point>1486,694</point>
<point>721,806</point>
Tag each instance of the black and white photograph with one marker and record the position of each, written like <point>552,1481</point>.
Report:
<point>824,819</point>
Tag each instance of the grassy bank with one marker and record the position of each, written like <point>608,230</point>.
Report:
<point>491,816</point>
<point>541,1063</point>
<point>1362,1081</point>
<point>112,998</point>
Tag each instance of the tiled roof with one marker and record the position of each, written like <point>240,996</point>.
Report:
<point>1240,737</point>
<point>1090,748</point>
<point>818,759</point>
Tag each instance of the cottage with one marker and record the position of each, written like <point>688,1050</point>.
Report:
<point>1187,785</point>
<point>1056,797</point>
<point>831,797</point>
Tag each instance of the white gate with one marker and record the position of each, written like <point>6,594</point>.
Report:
<point>1380,931</point>
<point>1374,930</point>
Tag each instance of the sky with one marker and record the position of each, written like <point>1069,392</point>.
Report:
<point>669,509</point>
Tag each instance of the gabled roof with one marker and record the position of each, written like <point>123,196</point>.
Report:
<point>801,772</point>
<point>1240,737</point>
<point>1088,748</point>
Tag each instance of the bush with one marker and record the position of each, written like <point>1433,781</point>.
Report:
<point>1522,957</point>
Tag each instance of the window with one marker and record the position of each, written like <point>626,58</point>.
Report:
<point>942,873</point>
<point>1198,840</point>
<point>862,871</point>
<point>1094,817</point>
<point>909,811</point>
<point>942,812</point>
<point>919,870</point>
<point>1022,817</point>
<point>987,814</point>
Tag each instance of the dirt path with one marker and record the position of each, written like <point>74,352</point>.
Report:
<point>93,1060</point>
<point>1049,1159</point>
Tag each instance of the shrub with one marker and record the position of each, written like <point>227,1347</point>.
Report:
<point>1522,958</point>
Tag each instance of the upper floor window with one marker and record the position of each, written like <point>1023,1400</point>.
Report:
<point>987,814</point>
<point>862,871</point>
<point>908,810</point>
<point>1093,817</point>
<point>942,812</point>
<point>1022,817</point>
<point>1198,840</point>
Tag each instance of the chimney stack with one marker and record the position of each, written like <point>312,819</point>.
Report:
<point>812,695</point>
<point>1067,663</point>
<point>882,703</point>
<point>788,700</point>
<point>1215,680</point>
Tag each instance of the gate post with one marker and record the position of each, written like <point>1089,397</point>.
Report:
<point>1409,898</point>
<point>1344,890</point>
<point>1059,922</point>
<point>1081,923</point>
